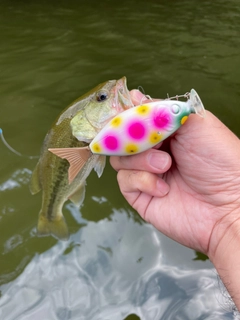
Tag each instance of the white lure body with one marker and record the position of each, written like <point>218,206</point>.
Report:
<point>142,127</point>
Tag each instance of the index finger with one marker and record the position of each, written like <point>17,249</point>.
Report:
<point>155,161</point>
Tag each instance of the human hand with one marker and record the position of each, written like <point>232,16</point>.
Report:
<point>190,189</point>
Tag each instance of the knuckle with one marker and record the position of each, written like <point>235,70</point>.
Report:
<point>137,178</point>
<point>125,161</point>
<point>121,177</point>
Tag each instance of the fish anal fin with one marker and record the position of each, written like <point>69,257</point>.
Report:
<point>56,227</point>
<point>78,196</point>
<point>100,165</point>
<point>77,157</point>
<point>35,185</point>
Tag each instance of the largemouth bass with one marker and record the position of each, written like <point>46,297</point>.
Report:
<point>88,114</point>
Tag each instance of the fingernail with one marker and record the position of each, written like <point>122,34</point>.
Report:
<point>158,160</point>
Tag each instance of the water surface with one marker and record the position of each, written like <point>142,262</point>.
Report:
<point>114,265</point>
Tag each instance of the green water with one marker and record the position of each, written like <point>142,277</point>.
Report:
<point>114,265</point>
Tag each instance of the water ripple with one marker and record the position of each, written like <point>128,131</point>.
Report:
<point>103,278</point>
<point>19,177</point>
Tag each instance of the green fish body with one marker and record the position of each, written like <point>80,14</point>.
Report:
<point>88,115</point>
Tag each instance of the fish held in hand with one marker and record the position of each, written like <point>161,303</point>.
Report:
<point>85,117</point>
<point>137,129</point>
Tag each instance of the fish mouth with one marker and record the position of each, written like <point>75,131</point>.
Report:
<point>123,98</point>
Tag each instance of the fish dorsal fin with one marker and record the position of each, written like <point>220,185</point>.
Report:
<point>77,157</point>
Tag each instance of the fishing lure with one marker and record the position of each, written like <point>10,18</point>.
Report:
<point>135,130</point>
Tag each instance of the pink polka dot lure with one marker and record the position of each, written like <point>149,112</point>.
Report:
<point>136,129</point>
<point>142,127</point>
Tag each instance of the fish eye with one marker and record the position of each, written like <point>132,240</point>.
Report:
<point>101,96</point>
<point>175,108</point>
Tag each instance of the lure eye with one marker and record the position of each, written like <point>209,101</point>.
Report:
<point>102,96</point>
<point>175,109</point>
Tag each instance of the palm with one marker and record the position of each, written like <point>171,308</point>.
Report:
<point>181,213</point>
<point>197,198</point>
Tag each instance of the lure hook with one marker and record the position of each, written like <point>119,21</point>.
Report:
<point>185,95</point>
<point>140,88</point>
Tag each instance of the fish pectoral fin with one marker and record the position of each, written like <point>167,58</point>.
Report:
<point>56,227</point>
<point>100,165</point>
<point>78,196</point>
<point>35,185</point>
<point>77,157</point>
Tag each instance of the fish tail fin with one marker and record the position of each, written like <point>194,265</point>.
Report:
<point>56,227</point>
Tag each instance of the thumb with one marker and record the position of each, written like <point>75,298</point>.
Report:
<point>137,96</point>
<point>206,139</point>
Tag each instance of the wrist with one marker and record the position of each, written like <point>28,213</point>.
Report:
<point>225,255</point>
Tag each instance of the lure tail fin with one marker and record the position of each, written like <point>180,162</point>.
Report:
<point>77,157</point>
<point>197,104</point>
<point>56,227</point>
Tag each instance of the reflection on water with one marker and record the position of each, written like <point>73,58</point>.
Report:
<point>19,178</point>
<point>114,265</point>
